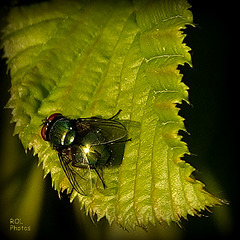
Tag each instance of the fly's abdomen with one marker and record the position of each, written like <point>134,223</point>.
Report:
<point>91,156</point>
<point>99,155</point>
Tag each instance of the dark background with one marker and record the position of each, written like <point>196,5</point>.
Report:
<point>209,120</point>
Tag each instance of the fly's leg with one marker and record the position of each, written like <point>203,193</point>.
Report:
<point>110,117</point>
<point>103,183</point>
<point>115,115</point>
<point>99,175</point>
<point>108,160</point>
<point>98,154</point>
<point>95,168</point>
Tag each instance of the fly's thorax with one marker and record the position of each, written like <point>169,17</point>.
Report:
<point>62,133</point>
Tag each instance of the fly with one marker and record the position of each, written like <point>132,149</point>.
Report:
<point>83,143</point>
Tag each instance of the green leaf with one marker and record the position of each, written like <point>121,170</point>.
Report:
<point>93,58</point>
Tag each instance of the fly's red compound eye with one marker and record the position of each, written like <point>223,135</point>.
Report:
<point>46,124</point>
<point>43,132</point>
<point>53,116</point>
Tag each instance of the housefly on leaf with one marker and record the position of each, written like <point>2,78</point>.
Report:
<point>83,145</point>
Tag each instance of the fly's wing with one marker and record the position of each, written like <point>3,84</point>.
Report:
<point>80,178</point>
<point>104,130</point>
